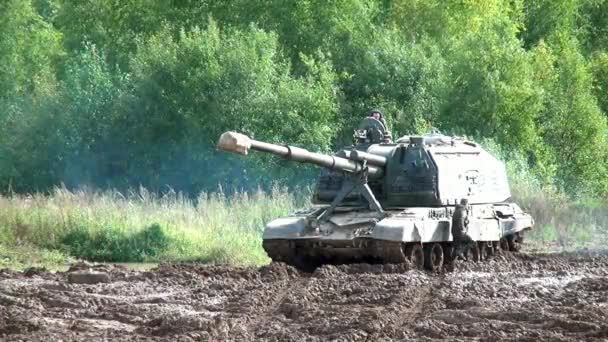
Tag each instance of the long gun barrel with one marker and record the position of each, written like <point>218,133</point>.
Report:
<point>241,144</point>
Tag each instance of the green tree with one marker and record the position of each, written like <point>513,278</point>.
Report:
<point>189,89</point>
<point>404,79</point>
<point>91,94</point>
<point>30,52</point>
<point>113,26</point>
<point>544,18</point>
<point>572,123</point>
<point>30,49</point>
<point>599,69</point>
<point>492,89</point>
<point>592,24</point>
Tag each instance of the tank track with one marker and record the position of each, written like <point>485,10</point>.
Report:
<point>305,255</point>
<point>389,252</point>
<point>300,255</point>
<point>287,251</point>
<point>280,250</point>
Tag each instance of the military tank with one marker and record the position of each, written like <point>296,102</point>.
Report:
<point>388,202</point>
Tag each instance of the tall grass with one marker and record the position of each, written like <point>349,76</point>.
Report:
<point>562,222</point>
<point>141,226</point>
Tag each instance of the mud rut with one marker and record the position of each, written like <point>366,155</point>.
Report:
<point>519,297</point>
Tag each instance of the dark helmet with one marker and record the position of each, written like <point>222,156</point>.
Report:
<point>375,110</point>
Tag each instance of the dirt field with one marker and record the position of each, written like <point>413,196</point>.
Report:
<point>519,297</point>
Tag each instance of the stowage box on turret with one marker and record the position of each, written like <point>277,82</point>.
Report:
<point>390,201</point>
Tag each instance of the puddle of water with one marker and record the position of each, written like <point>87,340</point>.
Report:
<point>559,282</point>
<point>91,324</point>
<point>475,274</point>
<point>135,266</point>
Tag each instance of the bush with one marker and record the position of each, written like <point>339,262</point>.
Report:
<point>115,245</point>
<point>140,226</point>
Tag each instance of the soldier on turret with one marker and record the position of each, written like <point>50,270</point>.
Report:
<point>460,223</point>
<point>377,114</point>
<point>373,129</point>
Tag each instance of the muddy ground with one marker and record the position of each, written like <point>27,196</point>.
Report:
<point>555,297</point>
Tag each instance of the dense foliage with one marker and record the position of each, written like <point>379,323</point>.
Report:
<point>128,93</point>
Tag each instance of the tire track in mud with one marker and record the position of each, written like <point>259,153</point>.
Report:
<point>269,312</point>
<point>405,316</point>
<point>253,308</point>
<point>417,309</point>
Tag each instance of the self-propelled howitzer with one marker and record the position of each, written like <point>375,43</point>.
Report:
<point>391,202</point>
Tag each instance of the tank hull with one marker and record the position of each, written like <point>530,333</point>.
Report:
<point>357,234</point>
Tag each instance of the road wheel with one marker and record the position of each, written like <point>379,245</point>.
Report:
<point>492,249</point>
<point>515,241</point>
<point>483,251</point>
<point>503,244</point>
<point>433,257</point>
<point>473,253</point>
<point>448,254</point>
<point>415,255</point>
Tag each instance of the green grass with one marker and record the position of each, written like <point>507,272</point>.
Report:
<point>562,223</point>
<point>138,227</point>
<point>25,255</point>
